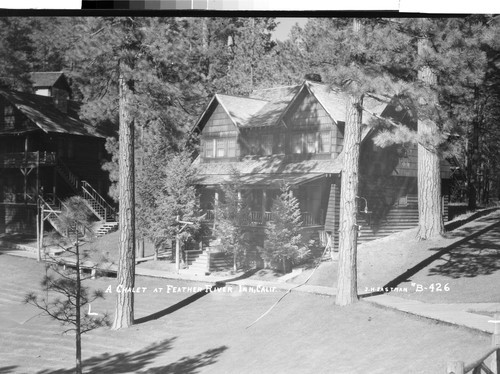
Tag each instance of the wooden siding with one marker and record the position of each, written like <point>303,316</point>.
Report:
<point>11,119</point>
<point>306,123</point>
<point>218,126</point>
<point>17,218</point>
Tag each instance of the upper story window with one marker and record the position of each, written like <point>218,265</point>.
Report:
<point>219,147</point>
<point>8,117</point>
<point>310,142</point>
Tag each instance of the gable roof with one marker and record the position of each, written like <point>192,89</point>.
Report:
<point>42,112</point>
<point>240,109</point>
<point>46,78</point>
<point>266,107</point>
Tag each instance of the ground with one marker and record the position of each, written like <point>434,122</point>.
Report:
<point>304,333</point>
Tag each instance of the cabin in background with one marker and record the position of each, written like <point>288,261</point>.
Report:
<point>294,134</point>
<point>47,154</point>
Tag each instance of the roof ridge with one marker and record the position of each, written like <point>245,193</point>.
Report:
<point>274,88</point>
<point>241,97</point>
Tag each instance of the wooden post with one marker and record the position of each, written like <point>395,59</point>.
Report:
<point>208,261</point>
<point>495,342</point>
<point>41,230</point>
<point>177,254</point>
<point>455,367</point>
<point>38,249</point>
<point>263,210</point>
<point>216,204</point>
<point>54,188</point>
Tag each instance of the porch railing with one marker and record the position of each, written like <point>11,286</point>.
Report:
<point>259,218</point>
<point>22,159</point>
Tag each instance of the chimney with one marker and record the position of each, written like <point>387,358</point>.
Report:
<point>313,77</point>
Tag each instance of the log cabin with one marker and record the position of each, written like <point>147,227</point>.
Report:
<point>47,154</point>
<point>294,134</point>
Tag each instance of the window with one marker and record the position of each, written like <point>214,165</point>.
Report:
<point>267,144</point>
<point>209,148</point>
<point>231,147</point>
<point>324,142</point>
<point>280,143</point>
<point>9,117</point>
<point>221,147</point>
<point>296,143</point>
<point>310,140</point>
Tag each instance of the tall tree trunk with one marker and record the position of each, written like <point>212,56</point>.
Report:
<point>430,217</point>
<point>347,281</point>
<point>472,167</point>
<point>78,332</point>
<point>124,312</point>
<point>347,289</point>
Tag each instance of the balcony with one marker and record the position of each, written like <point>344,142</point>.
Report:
<point>27,159</point>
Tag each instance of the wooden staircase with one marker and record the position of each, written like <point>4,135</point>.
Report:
<point>51,212</point>
<point>94,201</point>
<point>202,262</point>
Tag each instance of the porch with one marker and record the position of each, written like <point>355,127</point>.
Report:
<point>260,201</point>
<point>27,159</point>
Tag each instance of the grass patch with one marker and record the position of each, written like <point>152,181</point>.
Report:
<point>305,333</point>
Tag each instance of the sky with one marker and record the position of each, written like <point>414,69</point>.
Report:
<point>285,25</point>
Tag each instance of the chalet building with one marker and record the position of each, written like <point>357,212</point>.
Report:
<point>47,154</point>
<point>295,135</point>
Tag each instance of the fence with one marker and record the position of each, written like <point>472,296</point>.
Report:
<point>480,366</point>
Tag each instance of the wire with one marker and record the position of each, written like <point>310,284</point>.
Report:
<point>290,290</point>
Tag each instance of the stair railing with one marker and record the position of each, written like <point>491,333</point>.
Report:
<point>90,193</point>
<point>68,174</point>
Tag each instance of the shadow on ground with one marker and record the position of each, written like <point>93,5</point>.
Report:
<point>8,369</point>
<point>191,299</point>
<point>136,362</point>
<point>480,256</point>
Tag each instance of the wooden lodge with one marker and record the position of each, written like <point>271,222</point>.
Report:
<point>294,134</point>
<point>47,154</point>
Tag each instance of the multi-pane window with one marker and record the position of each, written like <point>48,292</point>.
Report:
<point>209,148</point>
<point>9,117</point>
<point>219,147</point>
<point>325,139</point>
<point>231,147</point>
<point>267,144</point>
<point>311,142</point>
<point>296,145</point>
<point>280,143</point>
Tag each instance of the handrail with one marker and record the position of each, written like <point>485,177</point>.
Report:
<point>479,366</point>
<point>73,179</point>
<point>90,191</point>
<point>479,362</point>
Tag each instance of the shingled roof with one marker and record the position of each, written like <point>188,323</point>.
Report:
<point>42,112</point>
<point>46,78</point>
<point>266,107</point>
<point>266,170</point>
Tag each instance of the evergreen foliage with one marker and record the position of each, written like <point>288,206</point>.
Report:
<point>169,196</point>
<point>284,244</point>
<point>232,216</point>
<point>66,296</point>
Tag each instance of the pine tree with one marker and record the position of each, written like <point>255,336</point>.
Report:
<point>66,296</point>
<point>232,216</point>
<point>131,76</point>
<point>284,243</point>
